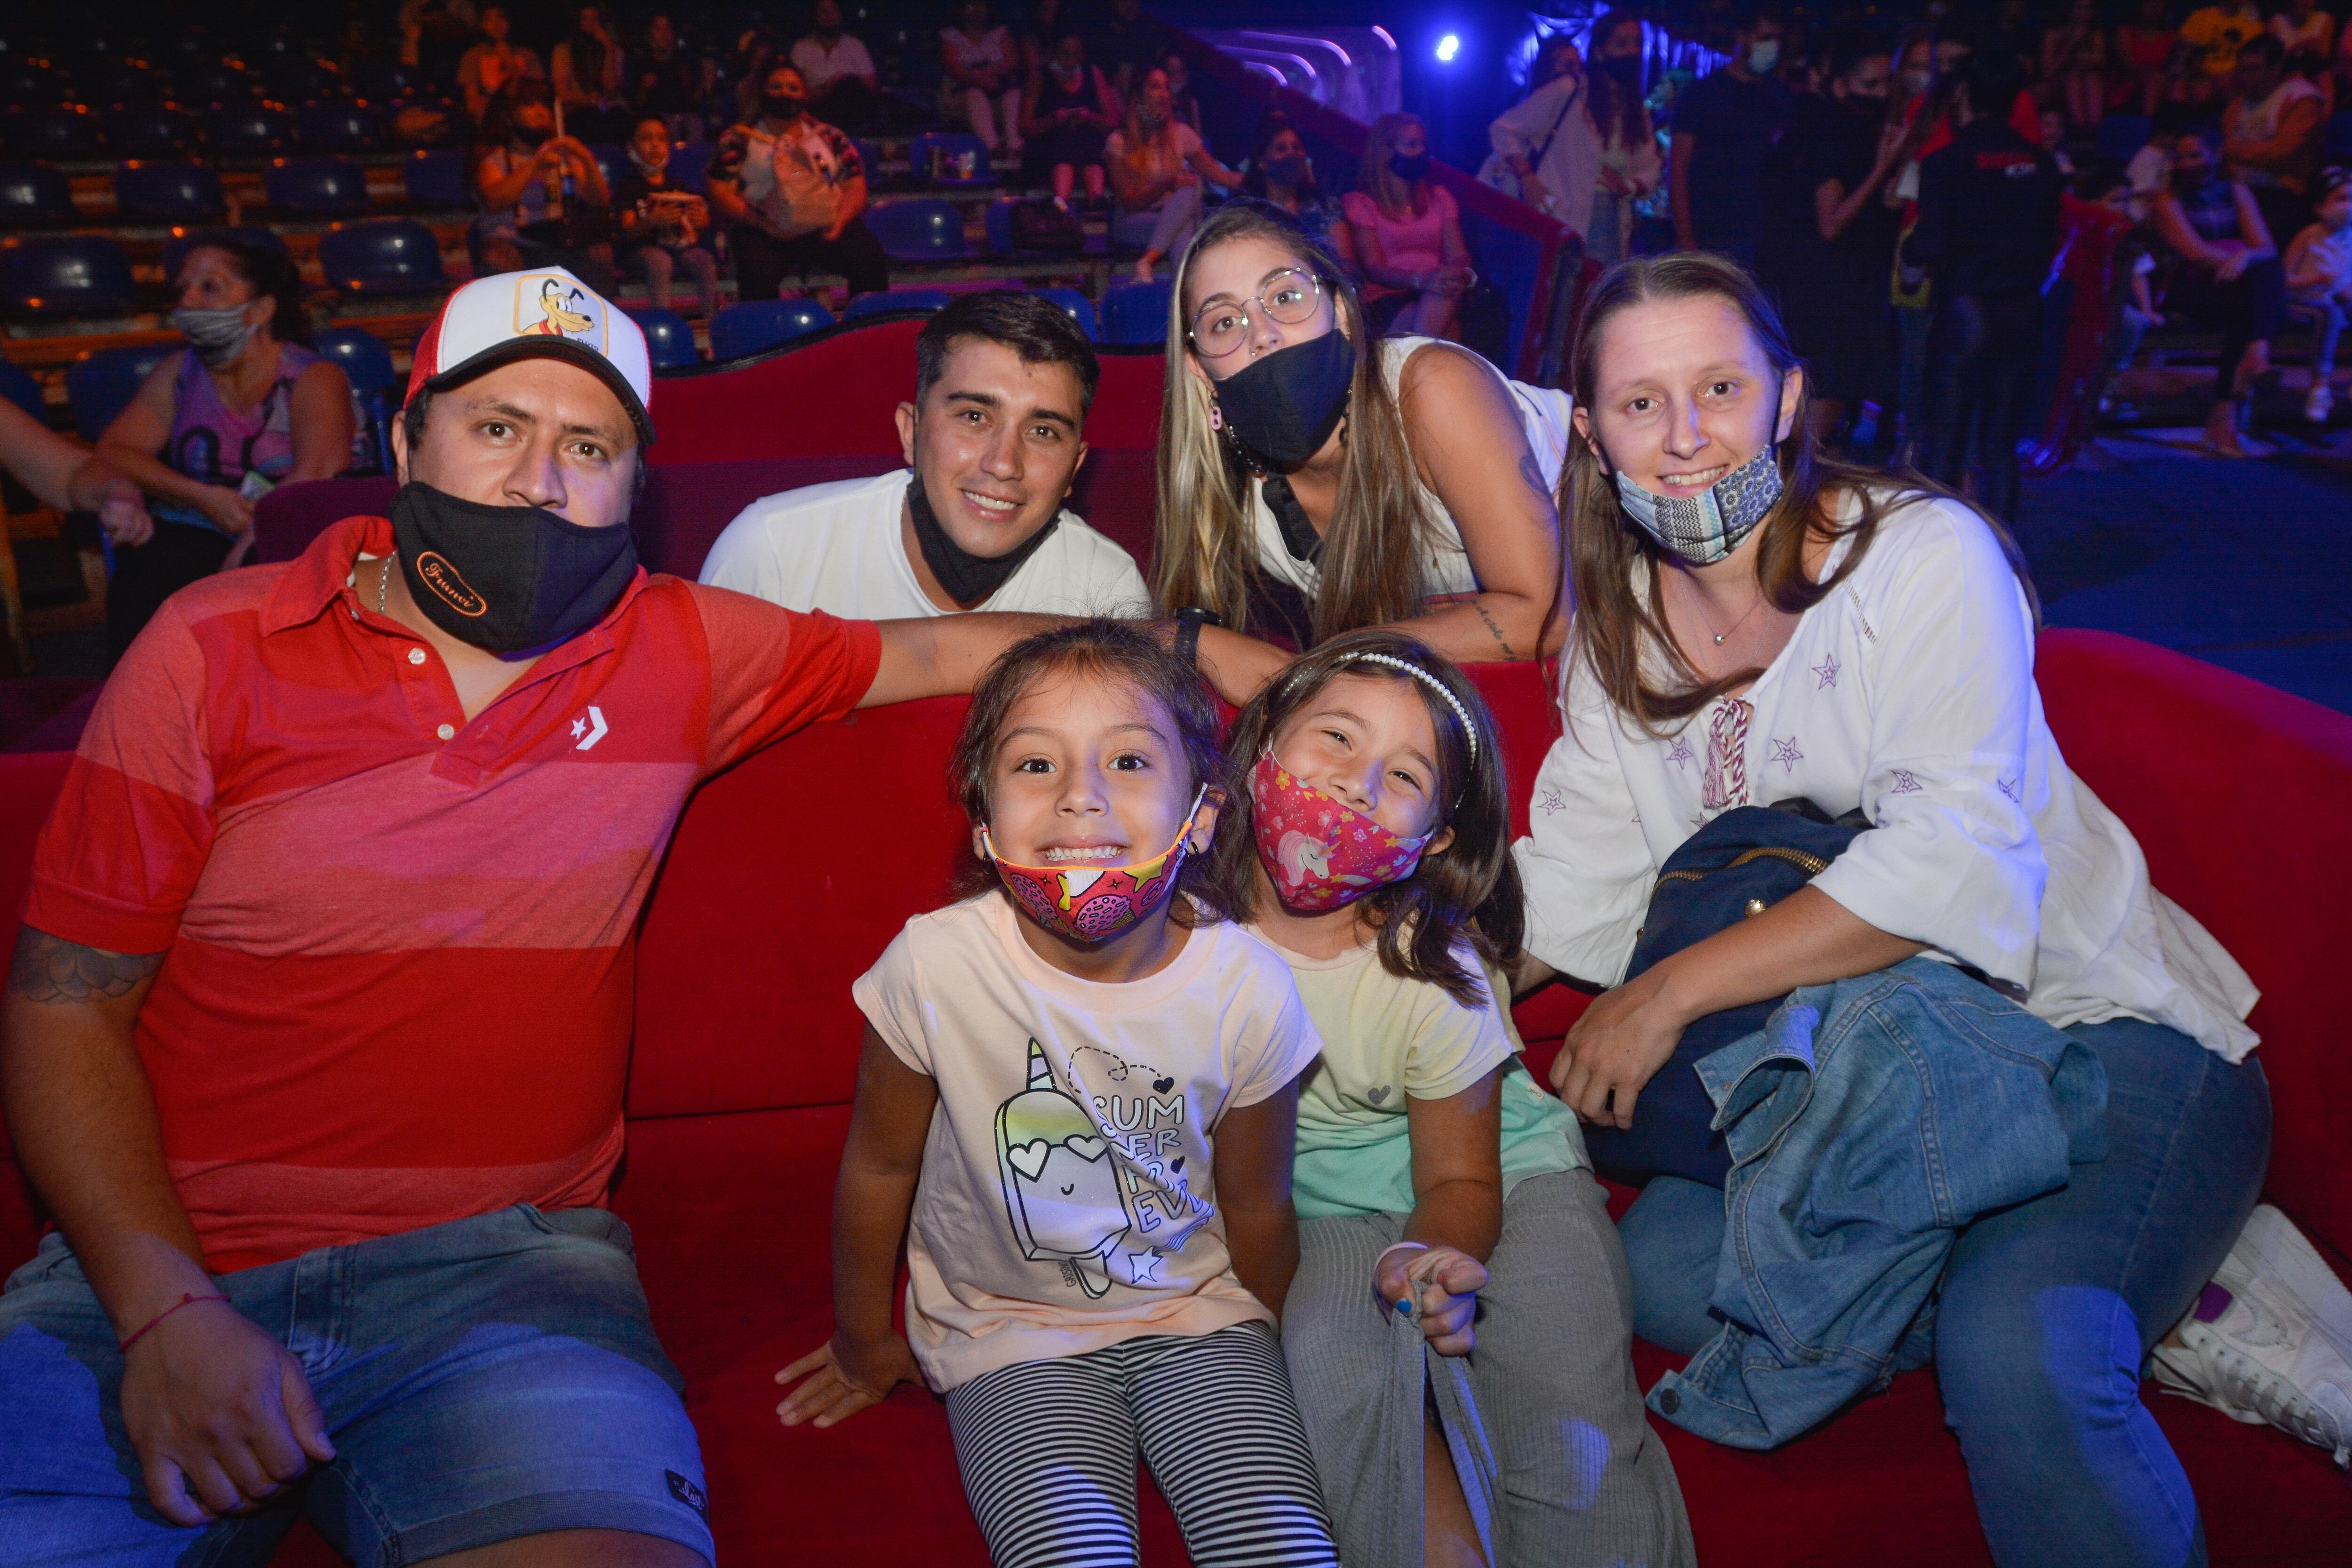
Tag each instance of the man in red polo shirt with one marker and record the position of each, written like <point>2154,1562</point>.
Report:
<point>316,1030</point>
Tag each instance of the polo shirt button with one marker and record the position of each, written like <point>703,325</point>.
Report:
<point>447,732</point>
<point>416,656</point>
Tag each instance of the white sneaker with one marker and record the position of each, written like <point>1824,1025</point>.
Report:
<point>2270,1340</point>
<point>2319,405</point>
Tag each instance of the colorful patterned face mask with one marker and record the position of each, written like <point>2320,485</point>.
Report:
<point>1321,853</point>
<point>1093,903</point>
<point>1705,528</point>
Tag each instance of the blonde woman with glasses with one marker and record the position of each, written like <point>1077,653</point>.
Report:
<point>1314,479</point>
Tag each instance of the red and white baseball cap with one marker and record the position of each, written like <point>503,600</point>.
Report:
<point>545,311</point>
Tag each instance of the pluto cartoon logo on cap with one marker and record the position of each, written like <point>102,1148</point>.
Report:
<point>548,306</point>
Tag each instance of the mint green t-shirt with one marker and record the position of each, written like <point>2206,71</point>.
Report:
<point>1386,1039</point>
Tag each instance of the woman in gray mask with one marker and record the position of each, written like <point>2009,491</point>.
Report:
<point>1314,479</point>
<point>246,408</point>
<point>1758,623</point>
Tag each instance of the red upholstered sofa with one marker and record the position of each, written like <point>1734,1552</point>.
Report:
<point>790,872</point>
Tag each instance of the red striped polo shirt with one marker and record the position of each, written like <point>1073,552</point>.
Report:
<point>400,945</point>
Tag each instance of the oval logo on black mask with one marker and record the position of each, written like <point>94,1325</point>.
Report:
<point>443,579</point>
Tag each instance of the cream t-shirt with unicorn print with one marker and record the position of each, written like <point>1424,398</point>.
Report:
<point>1068,1196</point>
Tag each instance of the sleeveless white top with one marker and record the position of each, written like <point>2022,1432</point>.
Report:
<point>1445,567</point>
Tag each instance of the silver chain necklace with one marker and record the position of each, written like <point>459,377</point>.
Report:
<point>1699,603</point>
<point>383,587</point>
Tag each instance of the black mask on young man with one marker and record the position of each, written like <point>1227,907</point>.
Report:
<point>782,105</point>
<point>967,578</point>
<point>1284,406</point>
<point>506,578</point>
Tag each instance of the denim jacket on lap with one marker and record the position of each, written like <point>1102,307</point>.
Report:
<point>1868,1121</point>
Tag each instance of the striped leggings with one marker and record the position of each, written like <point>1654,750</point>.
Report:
<point>1048,1450</point>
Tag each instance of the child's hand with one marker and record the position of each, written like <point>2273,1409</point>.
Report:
<point>1444,1281</point>
<point>846,1379</point>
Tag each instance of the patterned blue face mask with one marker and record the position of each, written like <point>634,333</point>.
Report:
<point>1705,528</point>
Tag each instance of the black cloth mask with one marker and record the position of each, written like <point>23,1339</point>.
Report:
<point>967,578</point>
<point>782,106</point>
<point>1284,406</point>
<point>1286,171</point>
<point>1408,169</point>
<point>507,578</point>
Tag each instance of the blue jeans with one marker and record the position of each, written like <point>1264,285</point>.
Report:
<point>2328,318</point>
<point>2049,1309</point>
<point>482,1380</point>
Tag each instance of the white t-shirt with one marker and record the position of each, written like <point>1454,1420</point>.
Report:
<point>2332,253</point>
<point>1908,693</point>
<point>1445,567</point>
<point>820,65</point>
<point>1068,1195</point>
<point>837,547</point>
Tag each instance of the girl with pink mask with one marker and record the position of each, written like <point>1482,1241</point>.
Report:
<point>1444,1199</point>
<point>1075,1104</point>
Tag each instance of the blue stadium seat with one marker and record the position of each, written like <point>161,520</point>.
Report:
<point>1136,312</point>
<point>366,363</point>
<point>34,192</point>
<point>187,193</point>
<point>689,164</point>
<point>389,256</point>
<point>299,82</point>
<point>669,341</point>
<point>337,125</point>
<point>436,178</point>
<point>245,131</point>
<point>2121,135</point>
<point>53,135</point>
<point>17,386</point>
<point>997,221</point>
<point>869,158</point>
<point>611,162</point>
<point>2338,140</point>
<point>933,150</point>
<point>895,300</point>
<point>929,230</point>
<point>213,84</point>
<point>754,325</point>
<point>22,81</point>
<point>103,383</point>
<point>1077,305</point>
<point>146,132</point>
<point>317,187</point>
<point>379,81</point>
<point>117,84</point>
<point>176,248</point>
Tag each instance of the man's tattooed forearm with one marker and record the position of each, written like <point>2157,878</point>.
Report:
<point>1494,628</point>
<point>45,969</point>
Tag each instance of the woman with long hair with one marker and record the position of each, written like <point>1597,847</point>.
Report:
<point>1759,623</point>
<point>1630,163</point>
<point>1314,479</point>
<point>1157,164</point>
<point>587,70</point>
<point>1278,173</point>
<point>520,168</point>
<point>1407,234</point>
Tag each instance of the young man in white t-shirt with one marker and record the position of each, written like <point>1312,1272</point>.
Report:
<point>975,521</point>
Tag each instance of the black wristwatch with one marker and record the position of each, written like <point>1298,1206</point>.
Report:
<point>1189,622</point>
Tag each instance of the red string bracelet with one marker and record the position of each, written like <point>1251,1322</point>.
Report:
<point>190,1299</point>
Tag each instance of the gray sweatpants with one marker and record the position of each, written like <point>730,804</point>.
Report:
<point>1544,1418</point>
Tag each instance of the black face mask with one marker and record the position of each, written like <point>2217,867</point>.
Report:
<point>507,578</point>
<point>779,106</point>
<point>967,578</point>
<point>1408,169</point>
<point>1286,171</point>
<point>1625,71</point>
<point>1284,406</point>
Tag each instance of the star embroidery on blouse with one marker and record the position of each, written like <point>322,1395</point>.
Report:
<point>579,728</point>
<point>1550,803</point>
<point>1681,754</point>
<point>1785,753</point>
<point>1143,1268</point>
<point>2013,788</point>
<point>1827,671</point>
<point>1698,820</point>
<point>1906,782</point>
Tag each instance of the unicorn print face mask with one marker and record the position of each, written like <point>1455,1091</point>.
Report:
<point>1322,854</point>
<point>1093,903</point>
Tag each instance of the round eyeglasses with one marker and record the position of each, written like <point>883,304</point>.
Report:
<point>1289,298</point>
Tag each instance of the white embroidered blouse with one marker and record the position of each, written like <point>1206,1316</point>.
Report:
<point>1909,693</point>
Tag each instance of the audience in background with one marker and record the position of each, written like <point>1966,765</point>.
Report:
<point>2078,88</point>
<point>436,33</point>
<point>1278,173</point>
<point>61,474</point>
<point>981,77</point>
<point>2271,134</point>
<point>587,70</point>
<point>2217,32</point>
<point>1726,125</point>
<point>671,83</point>
<point>1547,141</point>
<point>665,229</point>
<point>2305,30</point>
<point>975,520</point>
<point>245,407</point>
<point>486,67</point>
<point>1182,103</point>
<point>528,181</point>
<point>2319,280</point>
<point>1125,44</point>
<point>1067,113</point>
<point>2144,52</point>
<point>1407,234</point>
<point>1042,33</point>
<point>1157,164</point>
<point>1630,160</point>
<point>844,86</point>
<point>2225,275</point>
<point>790,190</point>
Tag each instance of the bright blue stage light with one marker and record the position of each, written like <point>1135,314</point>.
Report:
<point>1447,48</point>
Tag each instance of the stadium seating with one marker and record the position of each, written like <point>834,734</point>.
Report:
<point>934,153</point>
<point>2121,135</point>
<point>755,325</point>
<point>118,84</point>
<point>18,387</point>
<point>336,125</point>
<point>380,80</point>
<point>65,274</point>
<point>139,133</point>
<point>689,164</point>
<point>896,300</point>
<point>387,256</point>
<point>301,81</point>
<point>375,391</point>
<point>928,230</point>
<point>248,131</point>
<point>669,340</point>
<point>184,192</point>
<point>34,194</point>
<point>1079,309</point>
<point>214,85</point>
<point>56,134</point>
<point>103,383</point>
<point>176,248</point>
<point>1136,312</point>
<point>437,177</point>
<point>317,187</point>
